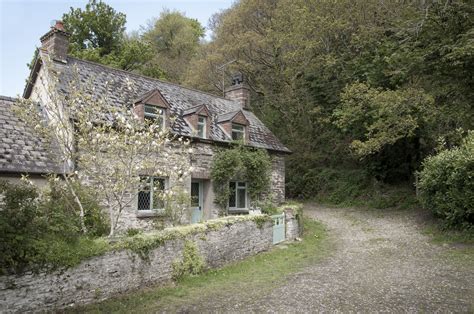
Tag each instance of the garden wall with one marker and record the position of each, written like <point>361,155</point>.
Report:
<point>220,241</point>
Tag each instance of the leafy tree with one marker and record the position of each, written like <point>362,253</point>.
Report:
<point>175,39</point>
<point>98,26</point>
<point>98,35</point>
<point>314,67</point>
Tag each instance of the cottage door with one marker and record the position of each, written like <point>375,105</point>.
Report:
<point>196,201</point>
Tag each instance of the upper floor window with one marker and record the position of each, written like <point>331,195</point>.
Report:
<point>149,196</point>
<point>155,114</point>
<point>238,132</point>
<point>201,126</point>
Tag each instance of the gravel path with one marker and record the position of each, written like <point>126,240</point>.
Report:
<point>380,263</point>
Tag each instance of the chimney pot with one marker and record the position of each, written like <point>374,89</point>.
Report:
<point>59,25</point>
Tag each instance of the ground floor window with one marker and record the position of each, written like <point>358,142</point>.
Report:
<point>150,192</point>
<point>238,195</point>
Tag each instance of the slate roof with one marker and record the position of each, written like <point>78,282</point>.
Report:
<point>21,151</point>
<point>123,88</point>
<point>226,116</point>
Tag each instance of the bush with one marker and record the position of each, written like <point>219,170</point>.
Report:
<point>447,185</point>
<point>38,228</point>
<point>21,225</point>
<point>191,264</point>
<point>64,211</point>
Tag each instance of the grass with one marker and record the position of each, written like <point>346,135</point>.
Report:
<point>447,236</point>
<point>258,273</point>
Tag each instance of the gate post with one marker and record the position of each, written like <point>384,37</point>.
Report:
<point>291,223</point>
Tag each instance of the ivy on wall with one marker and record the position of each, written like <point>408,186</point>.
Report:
<point>244,164</point>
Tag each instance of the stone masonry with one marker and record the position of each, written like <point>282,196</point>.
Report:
<point>102,277</point>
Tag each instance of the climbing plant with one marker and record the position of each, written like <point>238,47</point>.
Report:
<point>242,163</point>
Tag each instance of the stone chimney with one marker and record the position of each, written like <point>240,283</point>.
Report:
<point>56,42</point>
<point>239,91</point>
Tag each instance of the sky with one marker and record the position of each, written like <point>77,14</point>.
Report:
<point>23,22</point>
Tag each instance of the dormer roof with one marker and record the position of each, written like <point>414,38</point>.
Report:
<point>199,110</point>
<point>153,97</point>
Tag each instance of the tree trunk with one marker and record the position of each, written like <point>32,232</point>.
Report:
<point>78,202</point>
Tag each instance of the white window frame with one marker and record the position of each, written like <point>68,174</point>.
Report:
<point>202,123</point>
<point>237,128</point>
<point>161,114</point>
<point>151,210</point>
<point>237,188</point>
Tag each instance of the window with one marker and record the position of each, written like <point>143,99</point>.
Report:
<point>201,126</point>
<point>238,195</point>
<point>149,195</point>
<point>238,132</point>
<point>153,113</point>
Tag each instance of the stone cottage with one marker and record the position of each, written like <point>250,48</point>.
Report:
<point>209,121</point>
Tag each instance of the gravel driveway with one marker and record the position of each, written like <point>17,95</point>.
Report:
<point>380,263</point>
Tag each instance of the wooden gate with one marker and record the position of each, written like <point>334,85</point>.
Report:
<point>278,228</point>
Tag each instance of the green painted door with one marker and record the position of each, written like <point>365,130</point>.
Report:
<point>196,201</point>
<point>278,228</point>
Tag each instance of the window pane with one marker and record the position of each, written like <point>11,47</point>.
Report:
<point>241,184</point>
<point>232,194</point>
<point>237,136</point>
<point>241,198</point>
<point>143,200</point>
<point>194,194</point>
<point>201,130</point>
<point>150,109</point>
<point>238,128</point>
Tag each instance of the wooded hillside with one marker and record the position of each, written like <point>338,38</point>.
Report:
<point>361,91</point>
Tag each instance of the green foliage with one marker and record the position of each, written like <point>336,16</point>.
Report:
<point>192,263</point>
<point>174,39</point>
<point>243,163</point>
<point>20,226</point>
<point>394,78</point>
<point>133,232</point>
<point>42,230</point>
<point>98,26</point>
<point>376,118</point>
<point>447,186</point>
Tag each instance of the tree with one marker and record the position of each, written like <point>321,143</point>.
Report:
<point>303,57</point>
<point>175,39</point>
<point>103,145</point>
<point>376,118</point>
<point>98,35</point>
<point>98,26</point>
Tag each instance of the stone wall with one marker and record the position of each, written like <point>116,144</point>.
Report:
<point>116,272</point>
<point>277,184</point>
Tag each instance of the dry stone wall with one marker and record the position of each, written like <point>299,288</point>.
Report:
<point>101,277</point>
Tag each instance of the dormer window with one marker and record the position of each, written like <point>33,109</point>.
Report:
<point>155,114</point>
<point>238,132</point>
<point>201,126</point>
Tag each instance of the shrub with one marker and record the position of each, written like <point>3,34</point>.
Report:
<point>447,185</point>
<point>59,202</point>
<point>191,264</point>
<point>40,229</point>
<point>20,225</point>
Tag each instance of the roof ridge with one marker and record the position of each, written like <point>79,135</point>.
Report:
<point>8,98</point>
<point>150,78</point>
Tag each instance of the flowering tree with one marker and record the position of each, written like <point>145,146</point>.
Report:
<point>103,144</point>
